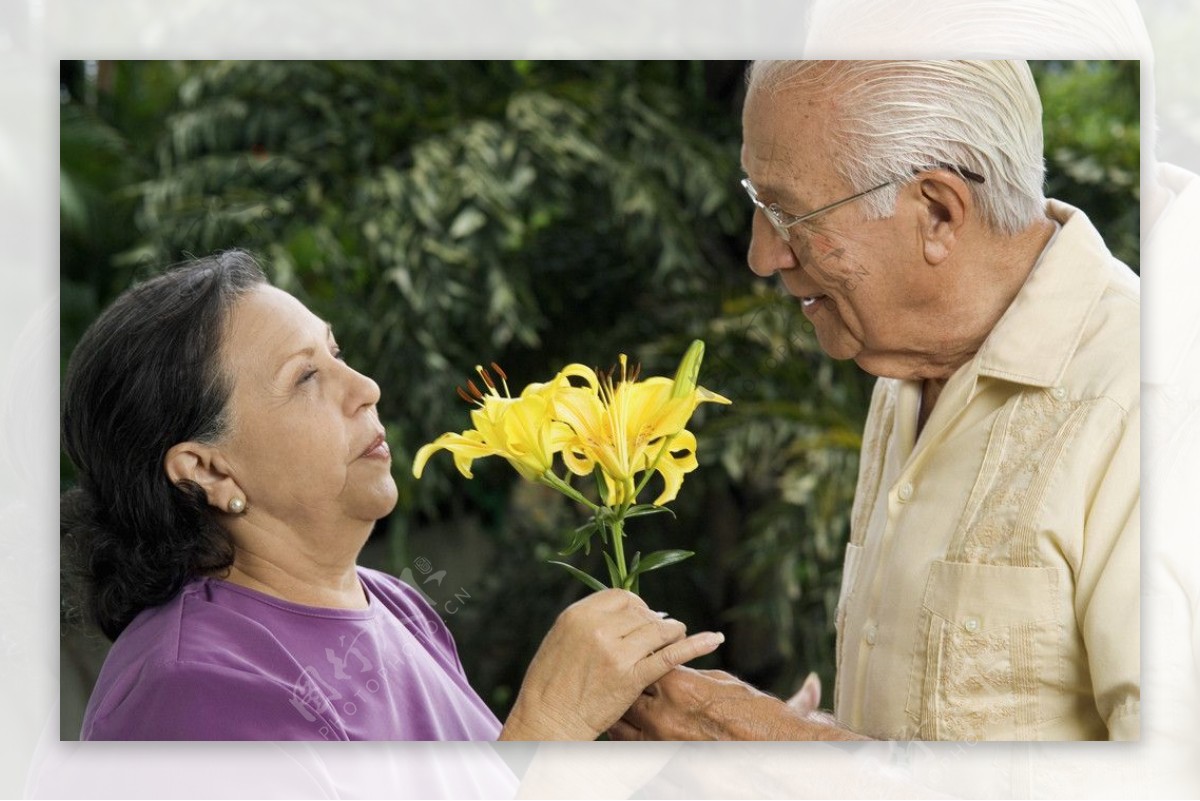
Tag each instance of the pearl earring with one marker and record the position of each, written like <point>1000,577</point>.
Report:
<point>237,506</point>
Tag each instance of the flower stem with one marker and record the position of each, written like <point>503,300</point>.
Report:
<point>549,479</point>
<point>618,533</point>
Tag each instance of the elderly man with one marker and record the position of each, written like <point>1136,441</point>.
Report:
<point>990,587</point>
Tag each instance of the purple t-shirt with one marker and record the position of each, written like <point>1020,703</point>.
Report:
<point>222,662</point>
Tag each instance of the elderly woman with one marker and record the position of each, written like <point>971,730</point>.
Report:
<point>231,466</point>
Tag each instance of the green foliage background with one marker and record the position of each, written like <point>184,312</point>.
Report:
<point>444,214</point>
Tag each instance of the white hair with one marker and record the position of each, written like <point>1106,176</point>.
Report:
<point>897,117</point>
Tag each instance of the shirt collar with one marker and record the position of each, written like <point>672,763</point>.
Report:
<point>1037,336</point>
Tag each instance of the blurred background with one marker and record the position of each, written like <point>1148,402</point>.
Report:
<point>446,214</point>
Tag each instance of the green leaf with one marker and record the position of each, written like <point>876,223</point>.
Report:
<point>661,559</point>
<point>580,538</point>
<point>579,574</point>
<point>643,509</point>
<point>631,579</point>
<point>613,574</point>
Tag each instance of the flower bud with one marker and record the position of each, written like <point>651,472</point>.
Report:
<point>688,374</point>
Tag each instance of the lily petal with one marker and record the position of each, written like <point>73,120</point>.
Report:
<point>680,458</point>
<point>465,447</point>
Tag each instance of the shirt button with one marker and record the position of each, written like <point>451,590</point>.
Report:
<point>1059,393</point>
<point>872,633</point>
<point>971,624</point>
<point>906,491</point>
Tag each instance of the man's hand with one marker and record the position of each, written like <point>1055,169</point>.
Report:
<point>600,654</point>
<point>808,697</point>
<point>691,704</point>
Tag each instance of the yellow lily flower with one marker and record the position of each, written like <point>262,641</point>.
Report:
<point>624,428</point>
<point>629,427</point>
<point>522,430</point>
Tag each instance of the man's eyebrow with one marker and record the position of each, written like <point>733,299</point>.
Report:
<point>309,351</point>
<point>787,200</point>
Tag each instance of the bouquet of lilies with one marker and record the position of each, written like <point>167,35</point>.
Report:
<point>606,424</point>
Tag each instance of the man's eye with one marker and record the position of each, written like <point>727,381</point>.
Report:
<point>307,375</point>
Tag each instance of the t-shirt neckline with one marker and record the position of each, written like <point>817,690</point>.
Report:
<point>293,607</point>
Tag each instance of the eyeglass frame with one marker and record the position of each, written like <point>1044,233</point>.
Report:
<point>782,220</point>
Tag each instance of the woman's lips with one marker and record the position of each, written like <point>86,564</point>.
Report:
<point>378,449</point>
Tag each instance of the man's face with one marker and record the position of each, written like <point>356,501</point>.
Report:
<point>863,283</point>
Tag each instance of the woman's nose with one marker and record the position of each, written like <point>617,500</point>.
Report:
<point>768,252</point>
<point>364,391</point>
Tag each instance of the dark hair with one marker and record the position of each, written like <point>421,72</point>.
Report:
<point>146,376</point>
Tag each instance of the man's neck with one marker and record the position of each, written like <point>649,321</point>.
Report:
<point>986,289</point>
<point>993,285</point>
<point>931,389</point>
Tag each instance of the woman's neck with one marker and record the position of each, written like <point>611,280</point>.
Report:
<point>285,568</point>
<point>344,592</point>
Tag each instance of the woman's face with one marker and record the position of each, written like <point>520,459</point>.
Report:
<point>304,442</point>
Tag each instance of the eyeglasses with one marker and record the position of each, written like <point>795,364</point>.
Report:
<point>782,220</point>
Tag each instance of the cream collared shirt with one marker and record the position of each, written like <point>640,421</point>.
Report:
<point>991,583</point>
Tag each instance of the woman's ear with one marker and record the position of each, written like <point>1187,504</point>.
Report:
<point>946,203</point>
<point>204,466</point>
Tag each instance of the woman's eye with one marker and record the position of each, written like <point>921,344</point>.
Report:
<point>334,351</point>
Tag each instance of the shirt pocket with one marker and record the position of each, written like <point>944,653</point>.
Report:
<point>987,647</point>
<point>849,579</point>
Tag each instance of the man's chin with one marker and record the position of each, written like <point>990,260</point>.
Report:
<point>838,346</point>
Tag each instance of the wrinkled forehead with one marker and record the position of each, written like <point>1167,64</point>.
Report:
<point>788,139</point>
<point>264,326</point>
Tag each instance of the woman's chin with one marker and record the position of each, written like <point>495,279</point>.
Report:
<point>380,501</point>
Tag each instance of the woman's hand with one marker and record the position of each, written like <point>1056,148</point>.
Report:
<point>596,660</point>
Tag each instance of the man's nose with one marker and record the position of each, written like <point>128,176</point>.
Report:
<point>768,252</point>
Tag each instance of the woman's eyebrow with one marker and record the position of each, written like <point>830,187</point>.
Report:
<point>308,351</point>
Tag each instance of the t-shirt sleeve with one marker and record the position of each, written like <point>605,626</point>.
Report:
<point>196,701</point>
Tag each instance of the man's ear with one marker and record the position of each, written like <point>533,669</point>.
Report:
<point>945,205</point>
<point>203,465</point>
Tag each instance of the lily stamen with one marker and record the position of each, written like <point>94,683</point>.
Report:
<point>487,379</point>
<point>503,378</point>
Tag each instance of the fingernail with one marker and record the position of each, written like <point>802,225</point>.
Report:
<point>716,637</point>
<point>662,614</point>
